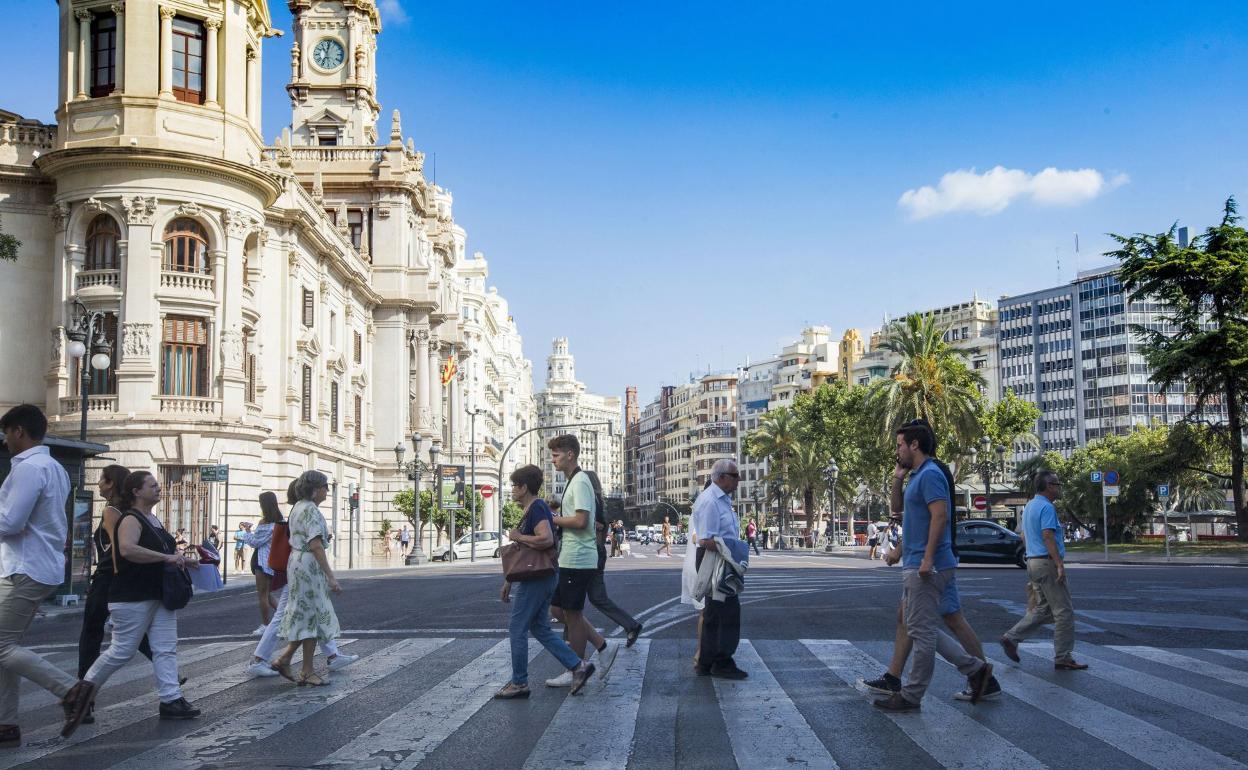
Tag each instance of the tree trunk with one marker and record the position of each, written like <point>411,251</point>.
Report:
<point>808,500</point>
<point>1235,425</point>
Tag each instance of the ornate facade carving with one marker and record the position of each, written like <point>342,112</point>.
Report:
<point>136,340</point>
<point>189,210</point>
<point>140,209</point>
<point>232,349</point>
<point>238,223</point>
<point>167,13</point>
<point>93,204</point>
<point>58,346</point>
<point>59,214</point>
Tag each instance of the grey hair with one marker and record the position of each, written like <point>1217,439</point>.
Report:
<point>722,468</point>
<point>1044,478</point>
<point>308,482</point>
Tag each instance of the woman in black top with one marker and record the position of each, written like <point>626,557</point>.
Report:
<point>96,613</point>
<point>142,549</point>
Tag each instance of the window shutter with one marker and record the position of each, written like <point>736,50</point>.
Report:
<point>307,394</point>
<point>359,347</point>
<point>359,418</point>
<point>333,406</point>
<point>309,308</point>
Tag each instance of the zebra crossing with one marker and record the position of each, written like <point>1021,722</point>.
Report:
<point>426,702</point>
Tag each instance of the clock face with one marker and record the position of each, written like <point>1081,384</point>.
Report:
<point>328,54</point>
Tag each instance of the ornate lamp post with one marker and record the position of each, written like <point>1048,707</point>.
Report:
<point>414,469</point>
<point>830,475</point>
<point>984,462</point>
<point>89,326</point>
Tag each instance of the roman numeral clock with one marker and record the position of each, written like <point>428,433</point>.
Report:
<point>328,54</point>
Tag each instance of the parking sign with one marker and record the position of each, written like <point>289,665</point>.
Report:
<point>1163,491</point>
<point>1096,477</point>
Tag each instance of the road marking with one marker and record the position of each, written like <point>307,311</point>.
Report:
<point>138,668</point>
<point>1190,698</point>
<point>118,716</point>
<point>764,726</point>
<point>1167,620</point>
<point>390,744</point>
<point>1241,654</point>
<point>1145,741</point>
<point>611,710</point>
<point>947,734</point>
<point>1189,664</point>
<point>218,740</point>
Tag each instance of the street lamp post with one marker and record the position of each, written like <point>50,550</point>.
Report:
<point>472,480</point>
<point>414,469</point>
<point>88,330</point>
<point>830,475</point>
<point>982,461</point>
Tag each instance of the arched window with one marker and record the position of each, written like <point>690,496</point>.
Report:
<point>102,237</point>
<point>186,247</point>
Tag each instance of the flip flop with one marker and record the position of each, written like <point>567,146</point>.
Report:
<point>313,680</point>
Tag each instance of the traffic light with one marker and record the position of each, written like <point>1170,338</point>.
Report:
<point>354,499</point>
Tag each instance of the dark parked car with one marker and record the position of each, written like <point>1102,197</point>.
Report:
<point>987,542</point>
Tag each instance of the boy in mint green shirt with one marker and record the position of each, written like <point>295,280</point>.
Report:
<point>578,554</point>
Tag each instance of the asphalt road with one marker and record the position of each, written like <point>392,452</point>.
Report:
<point>1168,686</point>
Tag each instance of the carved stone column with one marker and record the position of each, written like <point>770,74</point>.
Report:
<point>119,62</point>
<point>84,52</point>
<point>210,62</point>
<point>140,313</point>
<point>228,267</point>
<point>166,51</point>
<point>424,414</point>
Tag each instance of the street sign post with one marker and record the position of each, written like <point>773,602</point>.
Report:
<point>212,474</point>
<point>1163,494</point>
<point>1109,488</point>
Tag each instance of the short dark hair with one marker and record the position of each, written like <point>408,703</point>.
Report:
<point>131,485</point>
<point>920,431</point>
<point>269,512</point>
<point>291,497</point>
<point>528,475</point>
<point>1044,478</point>
<point>567,443</point>
<point>29,418</point>
<point>553,504</point>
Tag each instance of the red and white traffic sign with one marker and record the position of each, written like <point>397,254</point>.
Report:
<point>980,503</point>
<point>487,491</point>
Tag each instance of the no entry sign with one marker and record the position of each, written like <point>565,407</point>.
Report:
<point>487,491</point>
<point>980,502</point>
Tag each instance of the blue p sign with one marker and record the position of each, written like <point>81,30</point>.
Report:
<point>1163,490</point>
<point>1096,477</point>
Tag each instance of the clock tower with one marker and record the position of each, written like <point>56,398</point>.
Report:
<point>333,73</point>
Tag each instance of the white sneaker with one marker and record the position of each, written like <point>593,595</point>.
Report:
<point>342,660</point>
<point>260,669</point>
<point>604,659</point>
<point>259,631</point>
<point>563,680</point>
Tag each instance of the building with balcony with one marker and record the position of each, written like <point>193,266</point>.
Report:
<point>274,308</point>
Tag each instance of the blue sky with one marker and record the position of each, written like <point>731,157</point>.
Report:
<point>677,186</point>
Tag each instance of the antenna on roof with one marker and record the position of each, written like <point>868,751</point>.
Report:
<point>1057,254</point>
<point>1076,255</point>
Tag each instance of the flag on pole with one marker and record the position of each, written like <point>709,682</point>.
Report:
<point>449,369</point>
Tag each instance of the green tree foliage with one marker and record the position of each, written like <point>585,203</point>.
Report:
<point>439,518</point>
<point>1011,420</point>
<point>8,246</point>
<point>512,514</point>
<point>836,420</point>
<point>1205,288</point>
<point>930,380</point>
<point>383,529</point>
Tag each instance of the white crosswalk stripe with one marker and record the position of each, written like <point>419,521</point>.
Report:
<point>434,707</point>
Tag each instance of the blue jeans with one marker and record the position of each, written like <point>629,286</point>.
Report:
<point>530,613</point>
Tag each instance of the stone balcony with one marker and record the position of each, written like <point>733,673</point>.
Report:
<point>190,406</point>
<point>98,279</point>
<point>95,404</point>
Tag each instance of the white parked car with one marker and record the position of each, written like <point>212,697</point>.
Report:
<point>487,547</point>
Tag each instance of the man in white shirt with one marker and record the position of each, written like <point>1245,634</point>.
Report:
<point>32,557</point>
<point>719,629</point>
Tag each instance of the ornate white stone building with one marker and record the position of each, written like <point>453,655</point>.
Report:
<point>273,308</point>
<point>564,401</point>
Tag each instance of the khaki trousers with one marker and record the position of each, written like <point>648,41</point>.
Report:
<point>19,599</point>
<point>1053,605</point>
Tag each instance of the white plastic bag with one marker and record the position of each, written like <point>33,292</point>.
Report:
<point>689,571</point>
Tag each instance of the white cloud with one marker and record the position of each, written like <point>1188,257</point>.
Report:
<point>992,191</point>
<point>392,10</point>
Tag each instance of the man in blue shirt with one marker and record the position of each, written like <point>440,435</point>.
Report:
<point>927,567</point>
<point>1046,569</point>
<point>719,630</point>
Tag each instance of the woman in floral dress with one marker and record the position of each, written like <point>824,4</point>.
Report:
<point>309,616</point>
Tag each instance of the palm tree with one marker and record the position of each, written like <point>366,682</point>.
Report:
<point>931,380</point>
<point>775,439</point>
<point>806,474</point>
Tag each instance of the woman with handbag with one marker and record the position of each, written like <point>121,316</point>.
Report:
<point>530,610</point>
<point>260,540</point>
<point>309,616</point>
<point>142,600</point>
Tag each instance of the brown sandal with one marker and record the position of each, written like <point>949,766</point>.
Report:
<point>312,680</point>
<point>285,670</point>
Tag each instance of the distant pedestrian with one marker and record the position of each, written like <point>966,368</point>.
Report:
<point>530,599</point>
<point>617,538</point>
<point>666,535</point>
<point>239,545</point>
<point>143,549</point>
<point>32,559</point>
<point>873,539</point>
<point>928,567</point>
<point>578,552</point>
<point>213,540</point>
<point>1046,571</point>
<point>179,539</point>
<point>310,615</point>
<point>751,535</point>
<point>405,539</point>
<point>719,630</point>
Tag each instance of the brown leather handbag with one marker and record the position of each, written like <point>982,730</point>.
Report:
<point>522,562</point>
